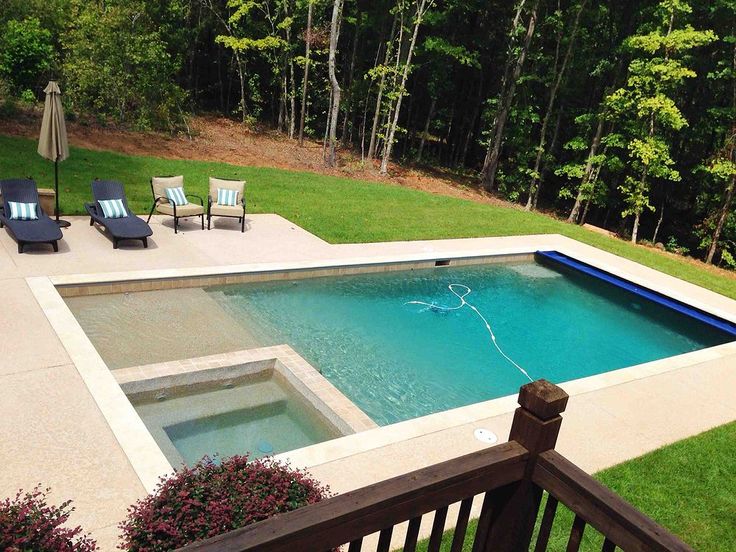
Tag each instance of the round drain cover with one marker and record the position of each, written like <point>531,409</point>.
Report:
<point>265,447</point>
<point>485,436</point>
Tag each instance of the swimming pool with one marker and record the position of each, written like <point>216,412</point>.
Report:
<point>396,359</point>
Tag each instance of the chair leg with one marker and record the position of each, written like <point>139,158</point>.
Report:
<point>209,221</point>
<point>242,224</point>
<point>176,225</point>
<point>55,245</point>
<point>91,221</point>
<point>114,243</point>
<point>150,214</point>
<point>145,243</point>
<point>20,247</point>
<point>202,217</point>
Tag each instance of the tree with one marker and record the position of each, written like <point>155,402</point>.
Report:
<point>646,106</point>
<point>26,53</point>
<point>305,81</point>
<point>251,28</point>
<point>516,58</point>
<point>422,6</point>
<point>536,177</point>
<point>334,111</point>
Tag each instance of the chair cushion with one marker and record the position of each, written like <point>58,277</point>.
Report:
<point>188,210</point>
<point>226,210</point>
<point>22,211</point>
<point>113,208</point>
<point>176,196</point>
<point>227,197</point>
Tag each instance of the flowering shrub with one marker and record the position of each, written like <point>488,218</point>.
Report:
<point>211,498</point>
<point>28,523</point>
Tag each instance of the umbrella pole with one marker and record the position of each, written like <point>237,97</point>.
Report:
<point>61,223</point>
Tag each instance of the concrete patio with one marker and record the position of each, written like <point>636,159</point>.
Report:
<point>56,435</point>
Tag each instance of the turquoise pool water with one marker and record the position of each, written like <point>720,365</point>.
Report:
<point>398,361</point>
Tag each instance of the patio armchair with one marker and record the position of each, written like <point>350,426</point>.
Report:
<point>26,221</point>
<point>119,221</point>
<point>226,199</point>
<point>170,199</point>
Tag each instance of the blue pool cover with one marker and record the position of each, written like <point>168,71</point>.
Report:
<point>565,260</point>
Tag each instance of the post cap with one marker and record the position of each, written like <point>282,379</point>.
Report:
<point>543,399</point>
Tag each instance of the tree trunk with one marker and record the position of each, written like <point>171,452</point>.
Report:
<point>493,155</point>
<point>308,40</point>
<point>635,229</point>
<point>722,216</point>
<point>422,7</point>
<point>430,114</point>
<point>241,75</point>
<point>379,96</point>
<point>536,183</point>
<point>659,222</point>
<point>335,108</point>
<point>575,211</point>
<point>349,82</point>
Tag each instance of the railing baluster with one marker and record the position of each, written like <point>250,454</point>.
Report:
<point>608,546</point>
<point>484,523</point>
<point>438,528</point>
<point>461,525</point>
<point>384,539</point>
<point>545,528</point>
<point>576,534</point>
<point>356,545</point>
<point>412,533</point>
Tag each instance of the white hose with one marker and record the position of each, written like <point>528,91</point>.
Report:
<point>464,303</point>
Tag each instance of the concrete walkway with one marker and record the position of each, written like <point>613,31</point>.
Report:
<point>54,434</point>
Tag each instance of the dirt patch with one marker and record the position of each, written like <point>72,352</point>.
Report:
<point>220,139</point>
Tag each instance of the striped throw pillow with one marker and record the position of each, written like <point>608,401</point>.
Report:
<point>113,208</point>
<point>176,196</point>
<point>22,211</point>
<point>227,197</point>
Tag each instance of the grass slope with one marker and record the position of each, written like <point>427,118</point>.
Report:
<point>689,487</point>
<point>338,210</point>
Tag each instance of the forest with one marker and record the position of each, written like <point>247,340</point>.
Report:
<point>621,114</point>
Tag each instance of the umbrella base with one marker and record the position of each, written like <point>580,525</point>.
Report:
<point>63,223</point>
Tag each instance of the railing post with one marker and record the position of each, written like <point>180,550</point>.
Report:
<point>536,426</point>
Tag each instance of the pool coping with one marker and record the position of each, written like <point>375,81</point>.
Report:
<point>149,462</point>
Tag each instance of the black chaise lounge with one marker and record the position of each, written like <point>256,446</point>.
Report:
<point>24,232</point>
<point>129,227</point>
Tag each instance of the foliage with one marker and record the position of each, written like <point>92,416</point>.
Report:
<point>211,498</point>
<point>117,65</point>
<point>29,523</point>
<point>26,53</point>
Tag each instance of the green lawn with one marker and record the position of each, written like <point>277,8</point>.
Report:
<point>339,210</point>
<point>689,487</point>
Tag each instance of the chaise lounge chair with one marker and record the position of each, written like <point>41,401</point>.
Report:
<point>226,199</point>
<point>170,199</point>
<point>119,221</point>
<point>22,214</point>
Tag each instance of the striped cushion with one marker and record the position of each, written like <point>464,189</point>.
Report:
<point>176,196</point>
<point>227,197</point>
<point>113,208</point>
<point>22,211</point>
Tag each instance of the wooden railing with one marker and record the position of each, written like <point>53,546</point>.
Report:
<point>507,482</point>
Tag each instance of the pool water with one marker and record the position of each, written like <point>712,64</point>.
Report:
<point>258,418</point>
<point>397,360</point>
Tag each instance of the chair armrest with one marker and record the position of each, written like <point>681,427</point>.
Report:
<point>201,201</point>
<point>91,208</point>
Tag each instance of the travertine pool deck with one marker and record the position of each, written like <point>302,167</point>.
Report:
<point>55,433</point>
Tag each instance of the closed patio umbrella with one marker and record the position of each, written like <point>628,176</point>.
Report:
<point>53,144</point>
